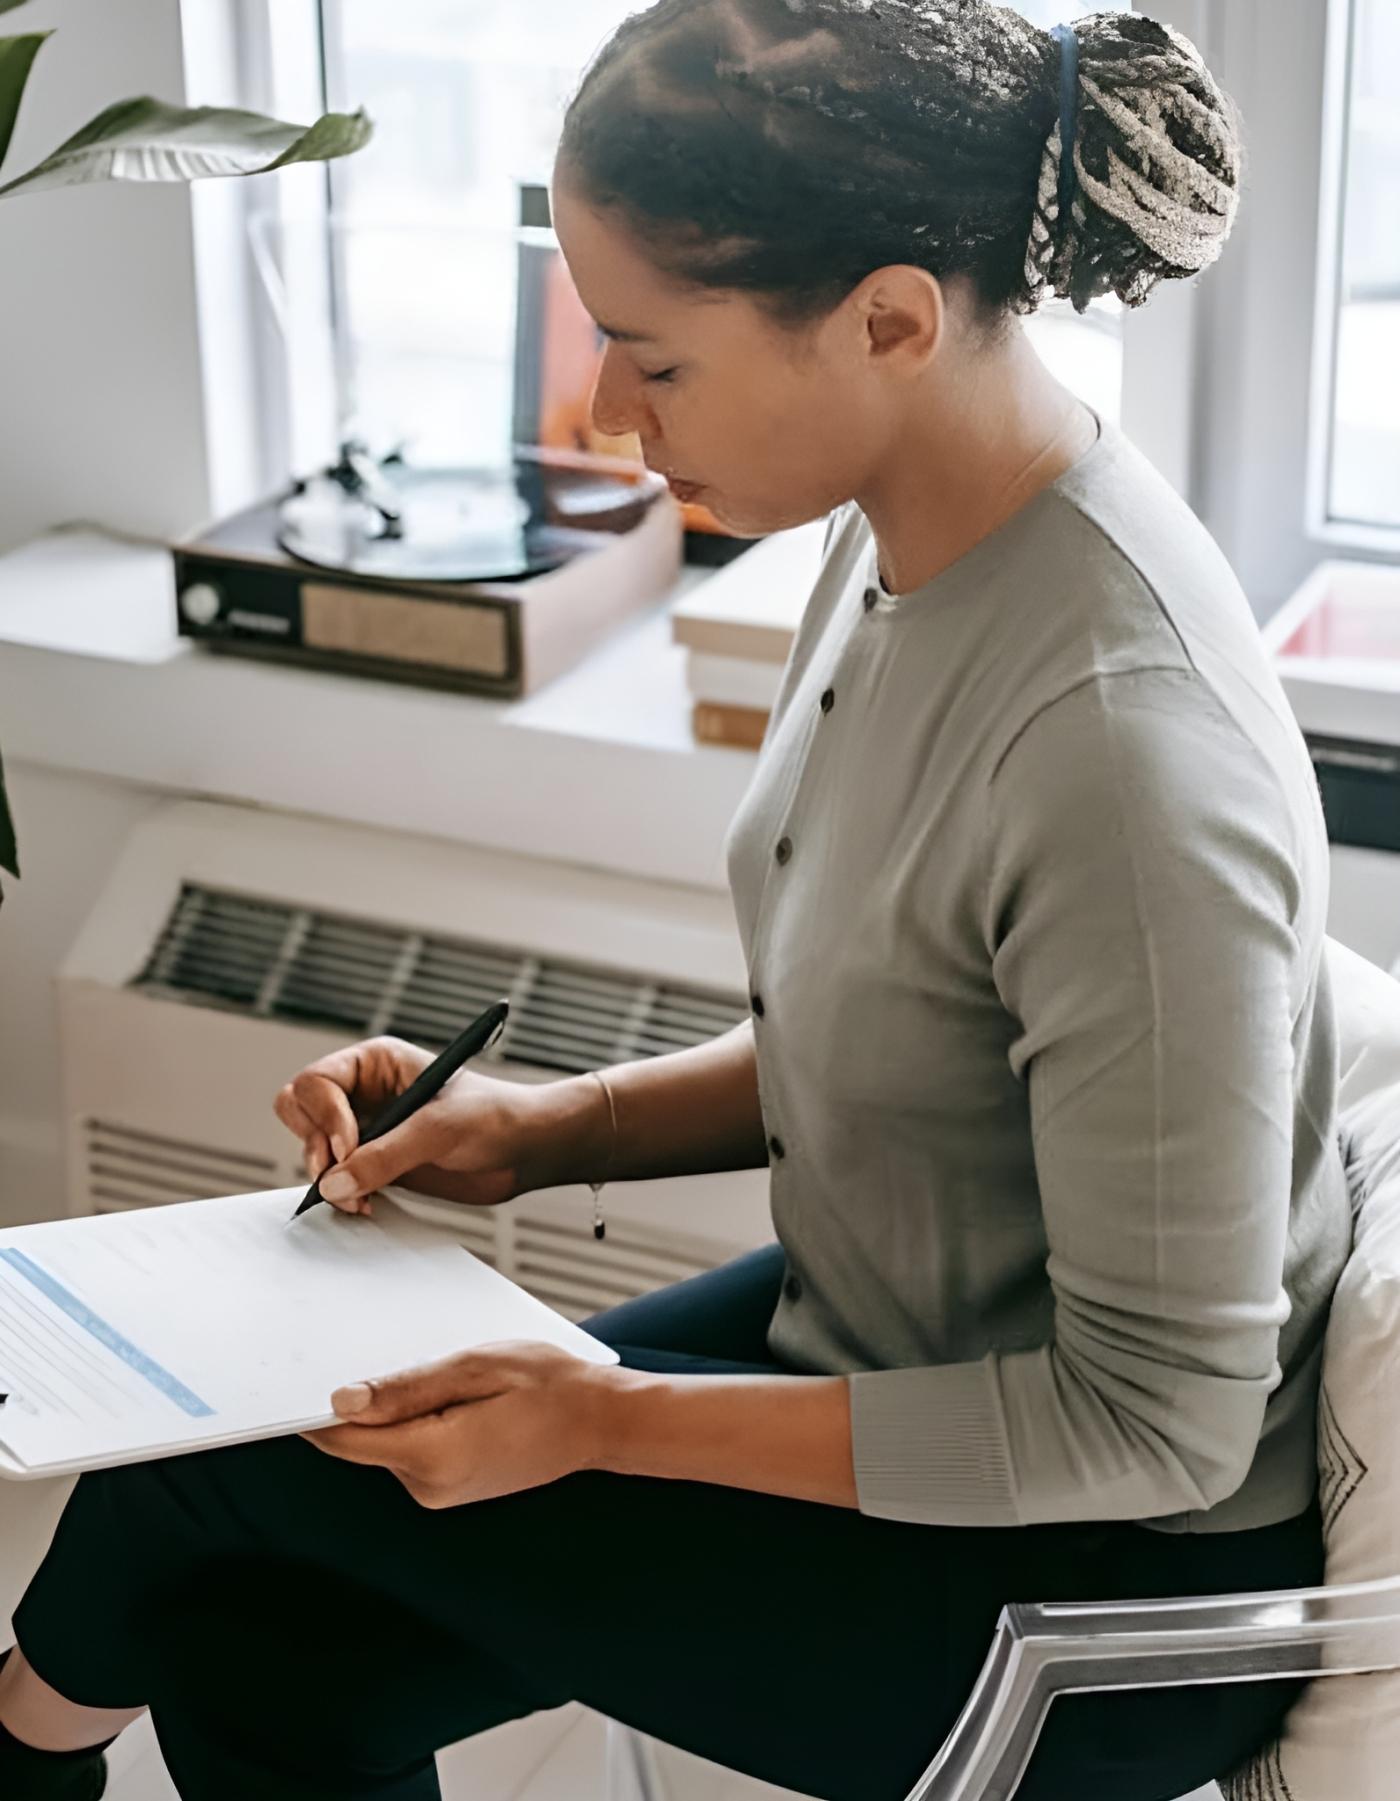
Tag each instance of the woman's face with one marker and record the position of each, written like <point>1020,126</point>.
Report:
<point>776,427</point>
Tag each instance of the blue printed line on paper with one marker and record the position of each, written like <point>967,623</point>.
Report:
<point>170,1386</point>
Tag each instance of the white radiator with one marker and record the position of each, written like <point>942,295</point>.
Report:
<point>230,947</point>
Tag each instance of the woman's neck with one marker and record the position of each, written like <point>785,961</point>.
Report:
<point>976,448</point>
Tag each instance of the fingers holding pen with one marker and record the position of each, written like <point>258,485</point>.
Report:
<point>324,1141</point>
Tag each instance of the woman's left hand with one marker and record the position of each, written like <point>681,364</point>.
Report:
<point>506,1416</point>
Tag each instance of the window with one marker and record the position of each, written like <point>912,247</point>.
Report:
<point>468,98</point>
<point>1357,422</point>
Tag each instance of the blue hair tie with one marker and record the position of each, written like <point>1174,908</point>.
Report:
<point>1068,40</point>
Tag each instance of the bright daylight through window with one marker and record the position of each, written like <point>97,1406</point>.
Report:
<point>1363,464</point>
<point>468,98</point>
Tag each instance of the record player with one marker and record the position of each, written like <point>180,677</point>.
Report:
<point>492,579</point>
<point>484,581</point>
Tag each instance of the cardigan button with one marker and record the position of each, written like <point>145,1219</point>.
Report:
<point>783,850</point>
<point>872,594</point>
<point>776,1146</point>
<point>828,700</point>
<point>758,1006</point>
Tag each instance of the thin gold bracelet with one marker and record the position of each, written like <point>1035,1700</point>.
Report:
<point>597,1187</point>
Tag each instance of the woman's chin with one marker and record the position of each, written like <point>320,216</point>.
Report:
<point>733,517</point>
<point>750,522</point>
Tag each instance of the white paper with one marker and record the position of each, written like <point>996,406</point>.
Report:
<point>131,1335</point>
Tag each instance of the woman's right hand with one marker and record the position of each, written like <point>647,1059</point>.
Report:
<point>463,1145</point>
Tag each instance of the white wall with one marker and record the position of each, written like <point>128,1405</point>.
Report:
<point>70,831</point>
<point>102,420</point>
<point>99,350</point>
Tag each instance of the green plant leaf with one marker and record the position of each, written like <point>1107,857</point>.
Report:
<point>8,6</point>
<point>146,140</point>
<point>16,58</point>
<point>9,854</point>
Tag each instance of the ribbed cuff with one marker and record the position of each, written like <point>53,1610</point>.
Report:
<point>929,1446</point>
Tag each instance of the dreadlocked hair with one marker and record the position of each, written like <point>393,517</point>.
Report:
<point>786,148</point>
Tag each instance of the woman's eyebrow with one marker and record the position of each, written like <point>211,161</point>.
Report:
<point>626,337</point>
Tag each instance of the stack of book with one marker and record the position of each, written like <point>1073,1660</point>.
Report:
<point>737,628</point>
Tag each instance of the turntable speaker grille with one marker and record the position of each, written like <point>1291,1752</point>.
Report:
<point>443,634</point>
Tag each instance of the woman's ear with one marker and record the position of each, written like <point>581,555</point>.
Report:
<point>903,313</point>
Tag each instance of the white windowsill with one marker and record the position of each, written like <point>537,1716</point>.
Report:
<point>598,768</point>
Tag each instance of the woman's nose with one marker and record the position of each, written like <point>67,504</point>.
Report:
<point>613,406</point>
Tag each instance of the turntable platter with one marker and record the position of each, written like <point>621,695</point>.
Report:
<point>452,525</point>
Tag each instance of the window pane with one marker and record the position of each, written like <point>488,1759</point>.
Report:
<point>1365,472</point>
<point>468,99</point>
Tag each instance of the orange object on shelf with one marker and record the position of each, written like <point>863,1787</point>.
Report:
<point>740,727</point>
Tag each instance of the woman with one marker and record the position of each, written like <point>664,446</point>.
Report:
<point>1031,883</point>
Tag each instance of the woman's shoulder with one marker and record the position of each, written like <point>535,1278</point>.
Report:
<point>1130,521</point>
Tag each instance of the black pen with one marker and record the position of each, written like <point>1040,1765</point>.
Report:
<point>421,1090</point>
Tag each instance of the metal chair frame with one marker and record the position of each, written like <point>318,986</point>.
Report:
<point>1043,1649</point>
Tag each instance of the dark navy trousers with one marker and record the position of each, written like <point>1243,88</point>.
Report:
<point>303,1630</point>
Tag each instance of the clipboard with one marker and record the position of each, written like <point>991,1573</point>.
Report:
<point>184,1327</point>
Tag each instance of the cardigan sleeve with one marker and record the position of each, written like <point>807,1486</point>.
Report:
<point>1140,893</point>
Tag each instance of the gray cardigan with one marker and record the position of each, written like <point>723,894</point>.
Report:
<point>1032,882</point>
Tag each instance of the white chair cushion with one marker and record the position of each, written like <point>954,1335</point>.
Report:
<point>1341,1741</point>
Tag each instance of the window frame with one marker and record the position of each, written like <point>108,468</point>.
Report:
<point>1256,402</point>
<point>1349,534</point>
<point>293,376</point>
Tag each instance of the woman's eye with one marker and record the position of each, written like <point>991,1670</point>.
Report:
<point>662,375</point>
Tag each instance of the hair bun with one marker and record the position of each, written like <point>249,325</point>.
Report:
<point>1156,158</point>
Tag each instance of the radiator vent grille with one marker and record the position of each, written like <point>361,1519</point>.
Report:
<point>477,1231</point>
<point>564,1266</point>
<point>126,1168</point>
<point>247,955</point>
